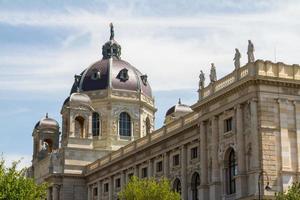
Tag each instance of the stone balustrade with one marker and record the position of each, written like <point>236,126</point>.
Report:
<point>257,69</point>
<point>165,130</point>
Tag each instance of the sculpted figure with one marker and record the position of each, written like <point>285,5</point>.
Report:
<point>112,32</point>
<point>250,51</point>
<point>201,79</point>
<point>237,58</point>
<point>213,73</point>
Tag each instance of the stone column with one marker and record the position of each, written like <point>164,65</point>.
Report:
<point>203,162</point>
<point>99,190</point>
<point>150,168</point>
<point>136,171</point>
<point>166,164</point>
<point>49,195</point>
<point>215,187</point>
<point>89,133</point>
<point>241,181</point>
<point>89,192</point>
<point>184,188</point>
<point>297,127</point>
<point>255,147</point>
<point>55,192</point>
<point>111,188</point>
<point>255,136</point>
<point>123,179</point>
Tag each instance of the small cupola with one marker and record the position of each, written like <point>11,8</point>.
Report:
<point>177,111</point>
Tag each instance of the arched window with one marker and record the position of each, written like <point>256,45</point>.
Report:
<point>47,145</point>
<point>96,124</point>
<point>195,185</point>
<point>124,124</point>
<point>177,186</point>
<point>231,172</point>
<point>148,126</point>
<point>79,126</point>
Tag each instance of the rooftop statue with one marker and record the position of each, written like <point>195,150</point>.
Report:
<point>237,58</point>
<point>112,32</point>
<point>250,51</point>
<point>201,79</point>
<point>213,73</point>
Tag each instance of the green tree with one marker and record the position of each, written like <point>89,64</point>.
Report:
<point>15,186</point>
<point>293,193</point>
<point>148,189</point>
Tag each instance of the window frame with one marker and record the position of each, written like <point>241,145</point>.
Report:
<point>228,124</point>
<point>194,153</point>
<point>96,124</point>
<point>231,172</point>
<point>125,125</point>
<point>176,160</point>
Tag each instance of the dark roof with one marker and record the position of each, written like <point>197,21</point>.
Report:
<point>134,83</point>
<point>46,122</point>
<point>170,111</point>
<point>179,108</point>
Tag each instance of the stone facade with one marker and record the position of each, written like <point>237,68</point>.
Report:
<point>260,101</point>
<point>241,136</point>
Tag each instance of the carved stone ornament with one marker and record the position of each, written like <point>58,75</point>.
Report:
<point>213,73</point>
<point>250,52</point>
<point>237,58</point>
<point>144,79</point>
<point>123,75</point>
<point>201,79</point>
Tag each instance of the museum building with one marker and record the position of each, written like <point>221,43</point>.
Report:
<point>238,141</point>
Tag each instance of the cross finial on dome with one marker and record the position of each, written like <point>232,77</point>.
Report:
<point>46,115</point>
<point>179,101</point>
<point>112,32</point>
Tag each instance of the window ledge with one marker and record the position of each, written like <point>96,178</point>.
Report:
<point>228,133</point>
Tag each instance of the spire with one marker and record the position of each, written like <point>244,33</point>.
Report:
<point>46,115</point>
<point>179,101</point>
<point>112,32</point>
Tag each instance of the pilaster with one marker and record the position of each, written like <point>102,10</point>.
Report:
<point>241,181</point>
<point>166,164</point>
<point>184,188</point>
<point>215,186</point>
<point>203,162</point>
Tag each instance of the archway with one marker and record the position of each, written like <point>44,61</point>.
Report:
<point>194,185</point>
<point>177,185</point>
<point>79,126</point>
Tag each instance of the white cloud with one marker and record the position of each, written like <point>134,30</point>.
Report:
<point>25,160</point>
<point>171,50</point>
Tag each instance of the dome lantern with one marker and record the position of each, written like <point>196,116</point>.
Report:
<point>111,48</point>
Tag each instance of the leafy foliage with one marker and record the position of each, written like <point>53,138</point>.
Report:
<point>148,189</point>
<point>15,186</point>
<point>293,193</point>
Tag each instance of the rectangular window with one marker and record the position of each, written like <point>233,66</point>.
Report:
<point>118,183</point>
<point>144,172</point>
<point>130,175</point>
<point>228,125</point>
<point>176,160</point>
<point>159,166</point>
<point>106,187</point>
<point>95,192</point>
<point>194,153</point>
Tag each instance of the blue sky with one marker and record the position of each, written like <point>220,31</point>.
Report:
<point>44,43</point>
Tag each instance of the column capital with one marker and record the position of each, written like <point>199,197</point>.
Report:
<point>238,106</point>
<point>214,117</point>
<point>254,99</point>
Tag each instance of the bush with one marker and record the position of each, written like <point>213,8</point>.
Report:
<point>148,189</point>
<point>15,186</point>
<point>293,193</point>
